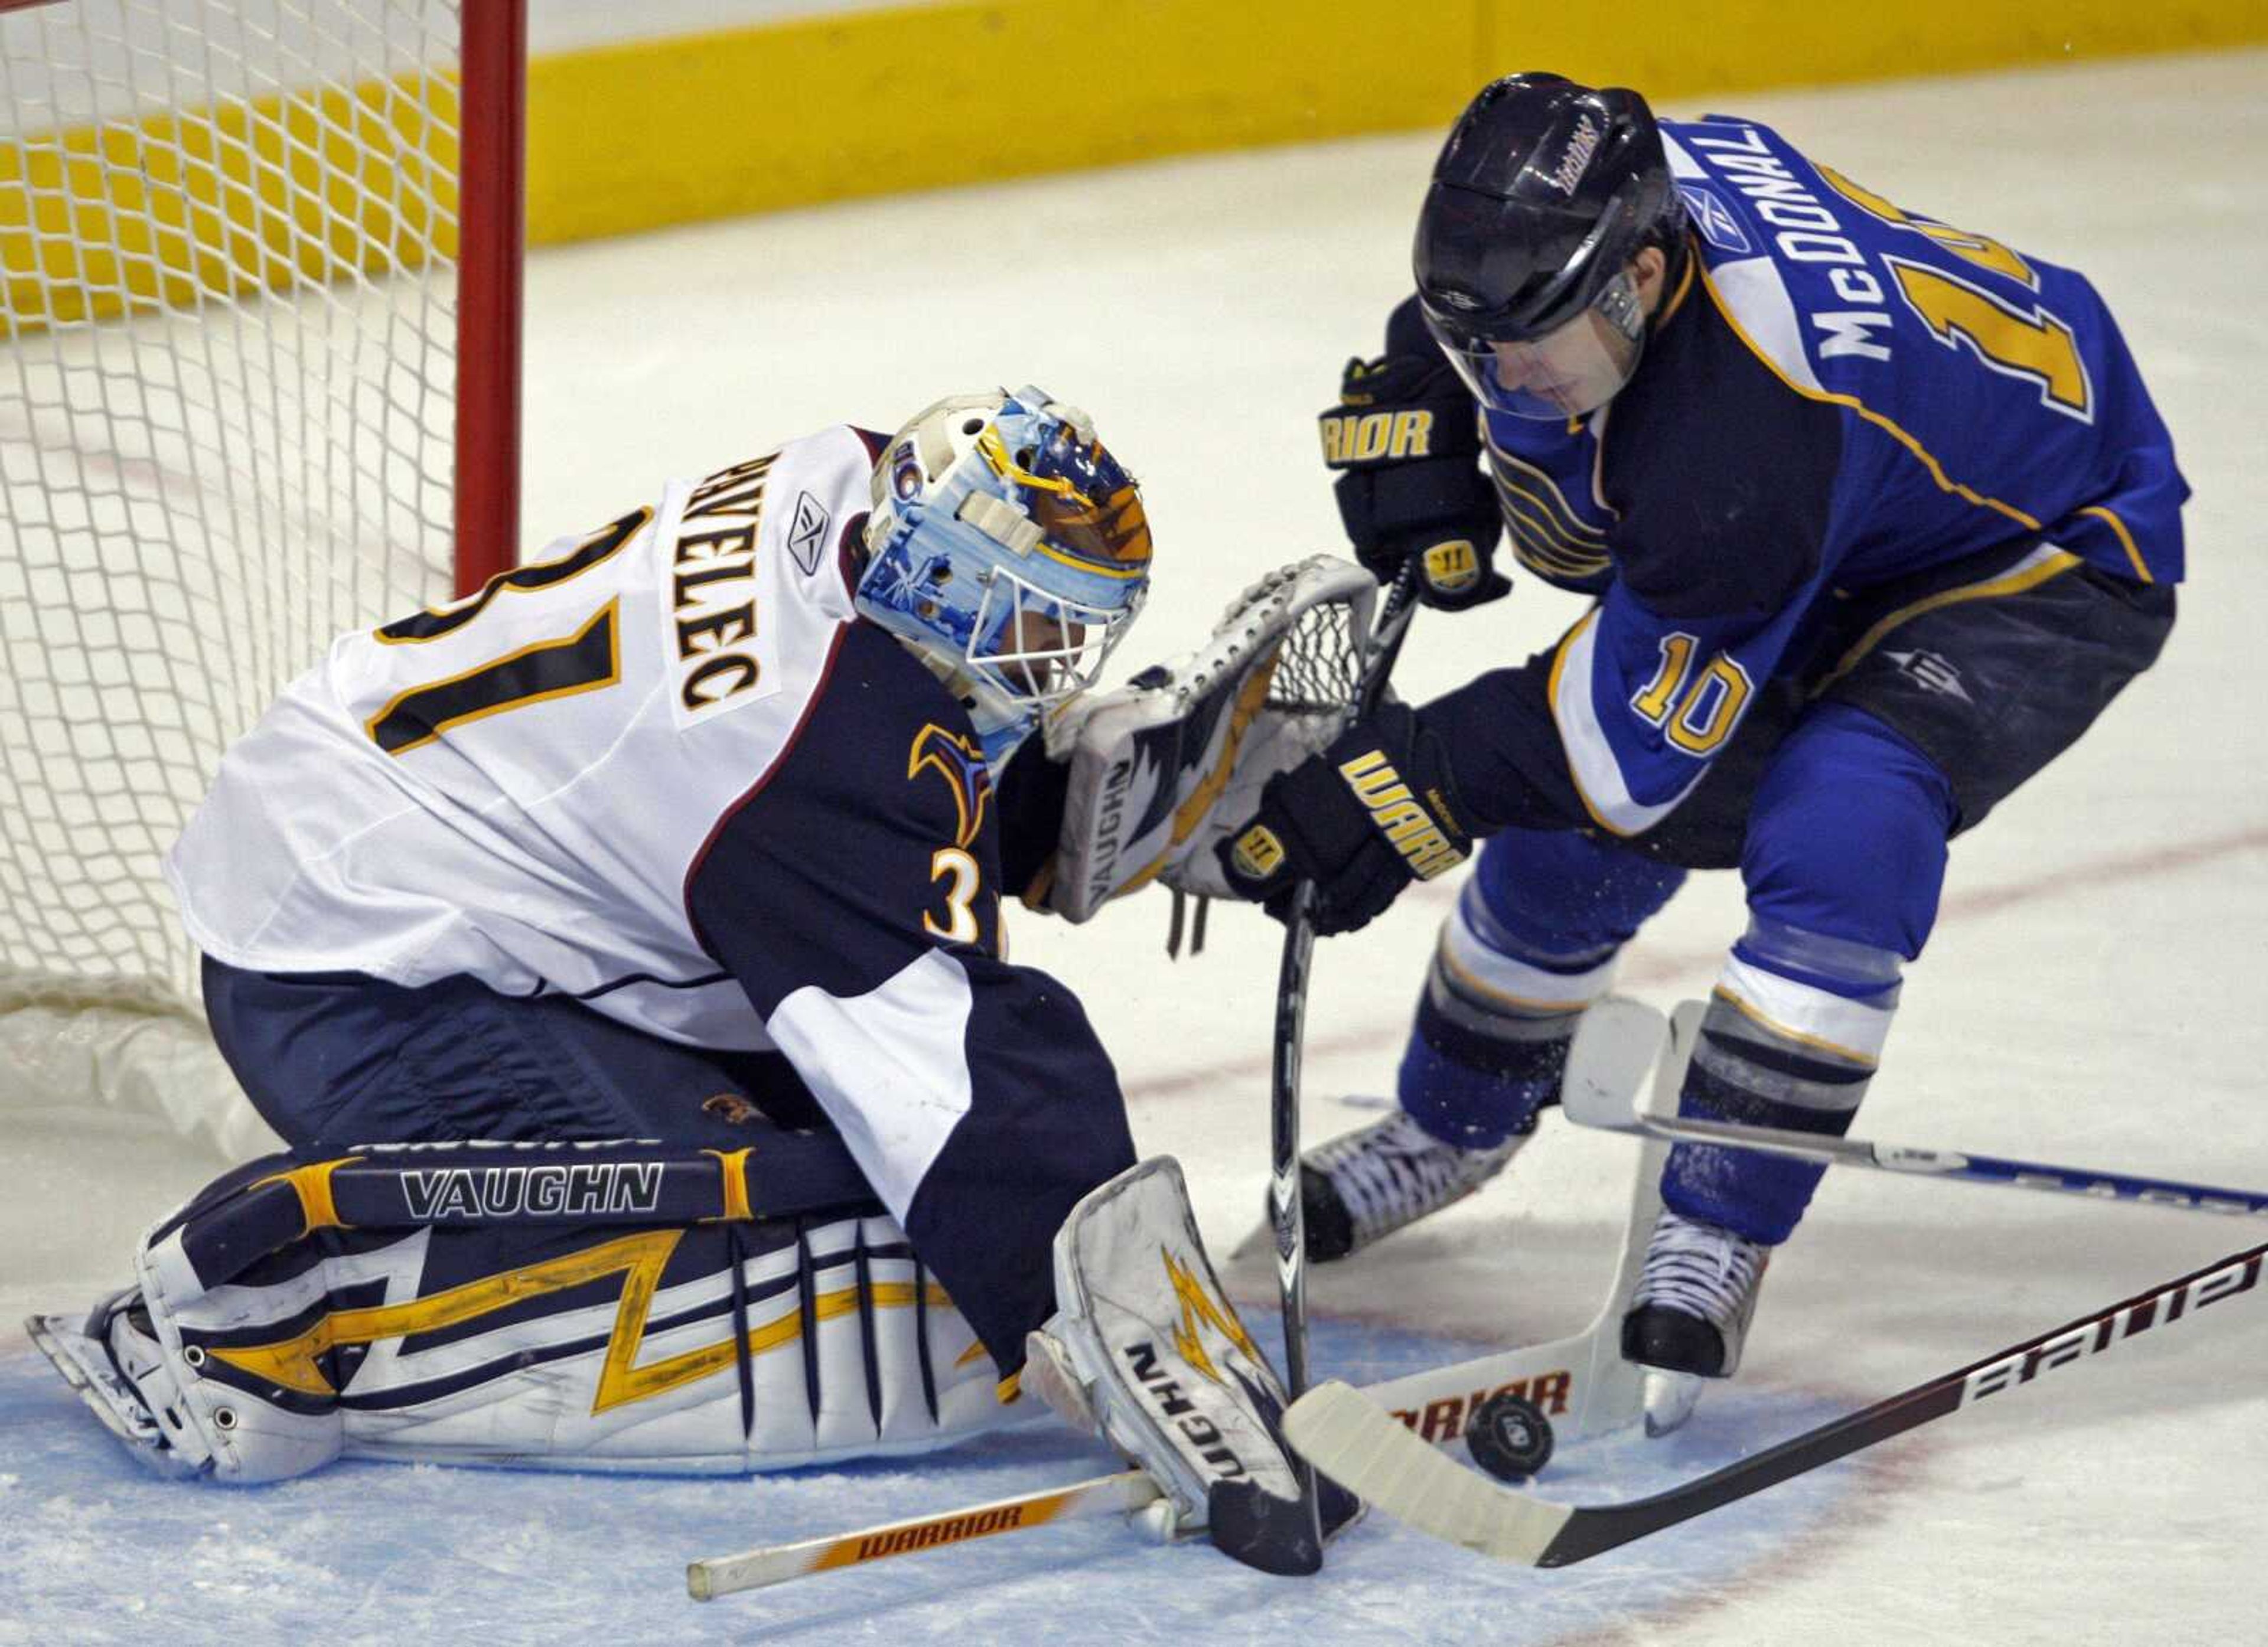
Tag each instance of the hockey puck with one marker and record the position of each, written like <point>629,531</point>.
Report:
<point>1158,1521</point>
<point>1509,1436</point>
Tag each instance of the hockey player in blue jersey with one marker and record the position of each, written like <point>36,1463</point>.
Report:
<point>619,949</point>
<point>1878,517</point>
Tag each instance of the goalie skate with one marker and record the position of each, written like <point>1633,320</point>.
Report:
<point>110,1360</point>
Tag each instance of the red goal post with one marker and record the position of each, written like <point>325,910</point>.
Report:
<point>259,326</point>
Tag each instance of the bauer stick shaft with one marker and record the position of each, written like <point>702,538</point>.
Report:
<point>1285,1212</point>
<point>1613,1111</point>
<point>1365,1449</point>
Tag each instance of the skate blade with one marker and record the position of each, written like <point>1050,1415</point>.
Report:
<point>1670,1399</point>
<point>85,1366</point>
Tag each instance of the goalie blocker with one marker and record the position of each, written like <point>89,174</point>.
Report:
<point>1146,1350</point>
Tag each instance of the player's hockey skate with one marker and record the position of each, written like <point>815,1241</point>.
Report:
<point>1366,1184</point>
<point>111,1356</point>
<point>1145,1350</point>
<point>1690,1316</point>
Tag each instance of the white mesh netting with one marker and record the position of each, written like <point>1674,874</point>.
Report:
<point>227,238</point>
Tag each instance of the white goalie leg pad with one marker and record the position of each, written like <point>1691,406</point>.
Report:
<point>1162,768</point>
<point>849,1350</point>
<point>441,1346</point>
<point>1144,1348</point>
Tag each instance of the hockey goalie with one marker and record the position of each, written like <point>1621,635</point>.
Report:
<point>680,856</point>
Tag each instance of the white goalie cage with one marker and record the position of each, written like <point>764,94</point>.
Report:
<point>258,384</point>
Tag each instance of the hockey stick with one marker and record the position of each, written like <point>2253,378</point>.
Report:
<point>1581,1383</point>
<point>1355,1442</point>
<point>1618,1112</point>
<point>1286,1213</point>
<point>1122,1494</point>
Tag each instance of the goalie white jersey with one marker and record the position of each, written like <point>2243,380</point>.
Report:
<point>670,772</point>
<point>517,786</point>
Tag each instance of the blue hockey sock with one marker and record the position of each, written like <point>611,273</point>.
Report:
<point>1794,1052</point>
<point>1475,1090</point>
<point>1531,943</point>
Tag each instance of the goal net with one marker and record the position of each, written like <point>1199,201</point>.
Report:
<point>258,369</point>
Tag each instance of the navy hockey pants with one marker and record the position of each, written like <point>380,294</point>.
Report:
<point>1836,795</point>
<point>332,1058</point>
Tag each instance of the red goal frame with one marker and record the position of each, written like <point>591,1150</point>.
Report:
<point>491,247</point>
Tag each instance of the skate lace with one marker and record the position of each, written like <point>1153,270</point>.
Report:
<point>1701,1269</point>
<point>1395,1172</point>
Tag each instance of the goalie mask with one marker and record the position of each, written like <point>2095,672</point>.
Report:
<point>1009,549</point>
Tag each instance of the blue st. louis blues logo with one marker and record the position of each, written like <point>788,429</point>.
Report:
<point>1714,218</point>
<point>959,760</point>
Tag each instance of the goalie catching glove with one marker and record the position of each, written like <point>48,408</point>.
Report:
<point>1374,811</point>
<point>1405,440</point>
<point>1160,769</point>
<point>1146,1351</point>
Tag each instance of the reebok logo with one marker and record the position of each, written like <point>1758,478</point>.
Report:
<point>1715,220</point>
<point>806,536</point>
<point>1931,673</point>
<point>1406,825</point>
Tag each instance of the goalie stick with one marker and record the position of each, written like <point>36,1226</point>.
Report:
<point>1350,1439</point>
<point>1122,1494</point>
<point>1285,1213</point>
<point>1581,1383</point>
<point>1618,1112</point>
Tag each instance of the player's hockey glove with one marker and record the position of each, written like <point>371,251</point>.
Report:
<point>1405,440</point>
<point>1373,812</point>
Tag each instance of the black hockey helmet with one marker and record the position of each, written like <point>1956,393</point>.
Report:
<point>1544,193</point>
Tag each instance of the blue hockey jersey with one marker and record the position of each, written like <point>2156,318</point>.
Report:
<point>1837,393</point>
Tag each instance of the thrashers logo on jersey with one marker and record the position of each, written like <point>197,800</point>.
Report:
<point>959,760</point>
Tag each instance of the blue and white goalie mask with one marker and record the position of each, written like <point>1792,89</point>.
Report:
<point>1009,549</point>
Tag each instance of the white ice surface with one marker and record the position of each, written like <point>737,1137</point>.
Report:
<point>2092,994</point>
